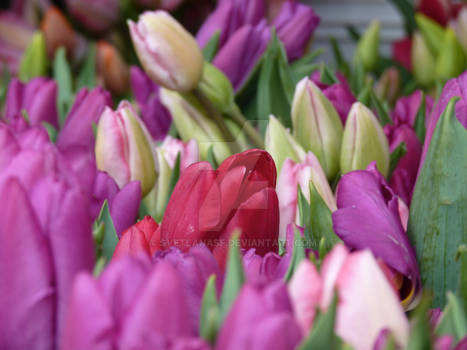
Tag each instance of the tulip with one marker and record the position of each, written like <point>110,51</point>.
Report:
<point>451,59</point>
<point>264,269</point>
<point>123,148</point>
<point>368,46</point>
<point>151,309</point>
<point>423,62</point>
<point>461,28</point>
<point>169,54</point>
<point>364,141</point>
<point>192,122</point>
<point>361,285</point>
<point>37,97</point>
<point>153,113</point>
<point>46,237</point>
<point>112,68</point>
<point>339,94</point>
<point>240,54</point>
<point>401,52</point>
<point>281,145</point>
<point>58,32</point>
<point>257,313</point>
<point>208,205</point>
<point>368,218</point>
<point>34,61</point>
<point>15,35</point>
<point>389,85</point>
<point>316,125</point>
<point>86,111</point>
<point>439,10</point>
<point>432,32</point>
<point>300,174</point>
<point>405,111</point>
<point>142,237</point>
<point>96,16</point>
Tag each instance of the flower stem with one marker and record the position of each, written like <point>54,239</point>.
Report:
<point>245,124</point>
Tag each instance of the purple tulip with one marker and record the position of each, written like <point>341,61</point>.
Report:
<point>264,269</point>
<point>258,312</point>
<point>97,16</point>
<point>194,267</point>
<point>454,87</point>
<point>339,94</point>
<point>130,306</point>
<point>46,240</point>
<point>228,17</point>
<point>368,218</point>
<point>295,25</point>
<point>37,97</point>
<point>405,111</point>
<point>237,58</point>
<point>403,178</point>
<point>86,110</point>
<point>153,113</point>
<point>15,35</point>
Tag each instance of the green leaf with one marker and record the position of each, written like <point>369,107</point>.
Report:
<point>322,336</point>
<point>210,49</point>
<point>321,223</point>
<point>303,208</point>
<point>174,177</point>
<point>419,125</point>
<point>327,76</point>
<point>211,158</point>
<point>419,338</point>
<point>342,65</point>
<point>407,11</point>
<point>353,33</point>
<point>4,82</point>
<point>297,256</point>
<point>210,312</point>
<point>357,78</point>
<point>110,238</point>
<point>234,276</point>
<point>25,116</point>
<point>396,156</point>
<point>453,321</point>
<point>99,266</point>
<point>304,66</point>
<point>380,109</point>
<point>87,74</point>
<point>34,62</point>
<point>51,131</point>
<point>461,256</point>
<point>63,77</point>
<point>438,224</point>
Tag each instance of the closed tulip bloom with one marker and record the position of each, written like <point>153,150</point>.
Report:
<point>368,46</point>
<point>58,32</point>
<point>264,269</point>
<point>364,141</point>
<point>123,148</point>
<point>423,62</point>
<point>317,126</point>
<point>112,69</point>
<point>368,218</point>
<point>169,54</point>
<point>208,205</point>
<point>96,16</point>
<point>38,98</point>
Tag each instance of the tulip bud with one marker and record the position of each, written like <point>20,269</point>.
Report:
<point>57,31</point>
<point>364,141</point>
<point>96,16</point>
<point>215,85</point>
<point>34,61</point>
<point>451,59</point>
<point>316,125</point>
<point>431,31</point>
<point>169,54</point>
<point>112,68</point>
<point>389,85</point>
<point>461,28</point>
<point>123,148</point>
<point>368,46</point>
<point>281,145</point>
<point>423,62</point>
<point>191,122</point>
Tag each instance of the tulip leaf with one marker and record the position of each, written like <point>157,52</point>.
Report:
<point>420,331</point>
<point>34,62</point>
<point>322,336</point>
<point>342,64</point>
<point>432,32</point>
<point>51,131</point>
<point>438,224</point>
<point>110,238</point>
<point>304,66</point>
<point>211,47</point>
<point>357,78</point>
<point>87,74</point>
<point>321,223</point>
<point>210,312</point>
<point>327,76</point>
<point>453,320</point>
<point>462,287</point>
<point>63,77</point>
<point>407,11</point>
<point>234,276</point>
<point>419,125</point>
<point>174,177</point>
<point>353,33</point>
<point>211,158</point>
<point>396,156</point>
<point>4,83</point>
<point>275,86</point>
<point>303,208</point>
<point>380,109</point>
<point>298,254</point>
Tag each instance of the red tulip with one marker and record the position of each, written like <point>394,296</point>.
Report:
<point>208,205</point>
<point>142,237</point>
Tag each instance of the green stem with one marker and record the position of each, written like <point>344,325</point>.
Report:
<point>243,123</point>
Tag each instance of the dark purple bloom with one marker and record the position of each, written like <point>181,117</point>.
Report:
<point>259,312</point>
<point>37,97</point>
<point>368,218</point>
<point>95,15</point>
<point>237,58</point>
<point>153,113</point>
<point>87,109</point>
<point>295,25</point>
